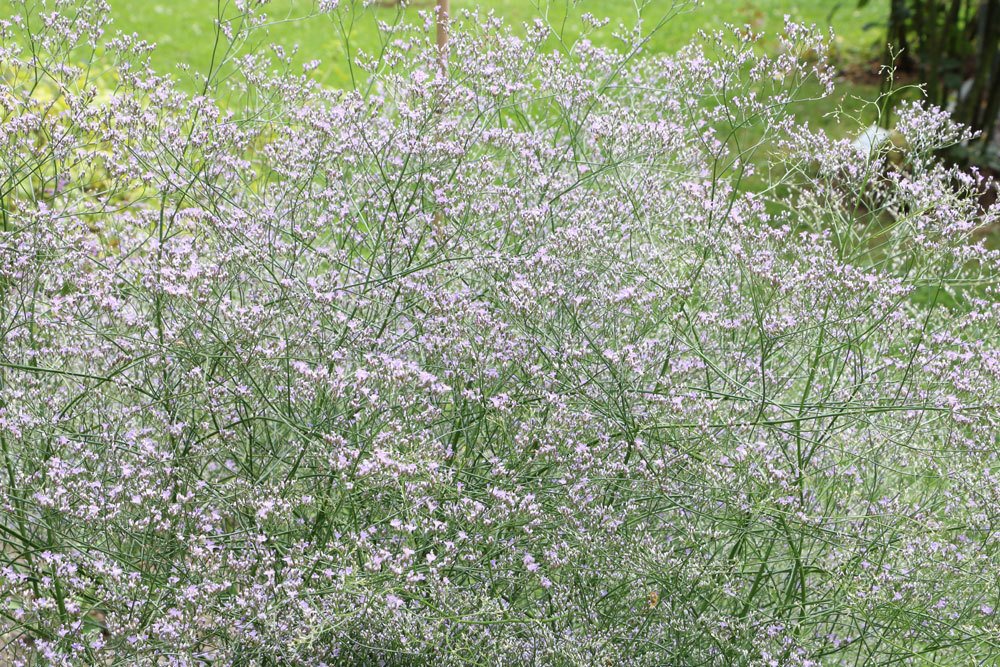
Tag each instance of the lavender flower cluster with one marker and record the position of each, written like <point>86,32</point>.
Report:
<point>571,356</point>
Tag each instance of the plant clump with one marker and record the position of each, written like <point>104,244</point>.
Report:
<point>505,364</point>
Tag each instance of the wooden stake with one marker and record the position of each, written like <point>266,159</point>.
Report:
<point>442,16</point>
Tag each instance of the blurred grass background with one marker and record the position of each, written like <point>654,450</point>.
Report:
<point>184,32</point>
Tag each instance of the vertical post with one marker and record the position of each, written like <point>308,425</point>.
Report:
<point>442,16</point>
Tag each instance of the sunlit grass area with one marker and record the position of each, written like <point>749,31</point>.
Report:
<point>184,31</point>
<point>187,47</point>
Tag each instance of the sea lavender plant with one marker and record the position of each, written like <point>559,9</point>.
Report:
<point>497,364</point>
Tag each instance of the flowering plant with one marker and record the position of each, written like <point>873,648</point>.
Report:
<point>502,364</point>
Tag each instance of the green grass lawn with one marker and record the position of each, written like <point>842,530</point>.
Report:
<point>184,33</point>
